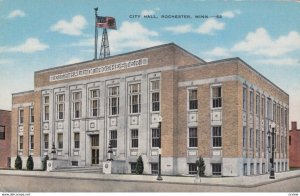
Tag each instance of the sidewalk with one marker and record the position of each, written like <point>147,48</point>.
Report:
<point>244,181</point>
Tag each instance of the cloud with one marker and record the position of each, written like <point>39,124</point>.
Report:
<point>230,14</point>
<point>6,61</point>
<point>218,52</point>
<point>260,43</point>
<point>31,45</point>
<point>280,61</point>
<point>73,60</point>
<point>208,27</point>
<point>149,12</point>
<point>16,13</point>
<point>73,27</point>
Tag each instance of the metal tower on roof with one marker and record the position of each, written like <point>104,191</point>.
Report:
<point>104,51</point>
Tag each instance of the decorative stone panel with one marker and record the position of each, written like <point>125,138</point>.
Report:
<point>216,116</point>
<point>193,116</point>
<point>46,126</point>
<point>113,121</point>
<point>134,120</point>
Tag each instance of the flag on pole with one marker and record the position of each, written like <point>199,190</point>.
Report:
<point>106,22</point>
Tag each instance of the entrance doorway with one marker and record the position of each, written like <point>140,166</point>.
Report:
<point>95,149</point>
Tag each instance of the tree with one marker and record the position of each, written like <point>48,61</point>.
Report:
<point>18,162</point>
<point>200,167</point>
<point>139,165</point>
<point>29,164</point>
<point>44,162</point>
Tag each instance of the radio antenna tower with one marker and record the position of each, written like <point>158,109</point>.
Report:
<point>104,51</point>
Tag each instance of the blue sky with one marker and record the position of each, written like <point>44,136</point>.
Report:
<point>36,35</point>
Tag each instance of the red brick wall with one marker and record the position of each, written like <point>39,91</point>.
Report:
<point>5,120</point>
<point>294,146</point>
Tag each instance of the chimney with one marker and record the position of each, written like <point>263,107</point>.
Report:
<point>294,125</point>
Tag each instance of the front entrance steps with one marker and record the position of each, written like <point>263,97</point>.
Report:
<point>81,169</point>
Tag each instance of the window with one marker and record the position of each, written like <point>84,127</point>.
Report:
<point>21,116</point>
<point>113,100</point>
<point>135,98</point>
<point>60,106</point>
<point>257,140</point>
<point>193,101</point>
<point>244,136</point>
<point>31,115</point>
<point>251,102</point>
<point>251,138</point>
<point>114,138</point>
<point>290,140</point>
<point>154,168</point>
<point>134,138</point>
<point>274,112</point>
<point>21,142</point>
<point>263,141</point>
<point>217,136</point>
<point>60,140</point>
<point>257,168</point>
<point>269,108</point>
<point>155,138</point>
<point>77,140</point>
<point>2,132</point>
<point>133,168</point>
<point>46,141</point>
<point>257,108</point>
<point>263,168</point>
<point>216,96</point>
<point>94,102</point>
<point>76,98</point>
<point>263,107</point>
<point>245,98</point>
<point>216,169</point>
<point>193,137</point>
<point>155,99</point>
<point>46,113</point>
<point>245,169</point>
<point>251,169</point>
<point>31,142</point>
<point>192,168</point>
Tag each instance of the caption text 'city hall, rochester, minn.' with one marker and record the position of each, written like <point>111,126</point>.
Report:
<point>220,110</point>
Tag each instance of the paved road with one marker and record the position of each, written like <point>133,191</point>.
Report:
<point>11,183</point>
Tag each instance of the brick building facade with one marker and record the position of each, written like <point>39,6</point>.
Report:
<point>294,143</point>
<point>220,110</point>
<point>5,132</point>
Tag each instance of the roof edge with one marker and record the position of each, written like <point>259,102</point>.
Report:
<point>23,92</point>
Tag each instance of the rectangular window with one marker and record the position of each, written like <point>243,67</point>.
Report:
<point>251,169</point>
<point>193,101</point>
<point>290,140</point>
<point>257,169</point>
<point>257,108</point>
<point>257,140</point>
<point>31,115</point>
<point>245,98</point>
<point>46,141</point>
<point>193,139</point>
<point>76,99</point>
<point>263,107</point>
<point>46,108</point>
<point>77,140</point>
<point>245,169</point>
<point>135,98</point>
<point>134,138</point>
<point>216,96</point>
<point>155,138</point>
<point>31,142</point>
<point>216,169</point>
<point>274,112</point>
<point>217,136</point>
<point>192,168</point>
<point>94,102</point>
<point>21,142</point>
<point>60,140</point>
<point>133,168</point>
<point>60,106</point>
<point>154,168</point>
<point>251,102</point>
<point>155,95</point>
<point>244,136</point>
<point>2,132</point>
<point>251,138</point>
<point>263,141</point>
<point>113,100</point>
<point>21,116</point>
<point>114,138</point>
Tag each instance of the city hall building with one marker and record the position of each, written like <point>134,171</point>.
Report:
<point>220,110</point>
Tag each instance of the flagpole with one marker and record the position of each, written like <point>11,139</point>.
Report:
<point>96,32</point>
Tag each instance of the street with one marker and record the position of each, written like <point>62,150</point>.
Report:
<point>12,183</point>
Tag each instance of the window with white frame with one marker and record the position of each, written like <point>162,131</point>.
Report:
<point>134,138</point>
<point>46,108</point>
<point>31,142</point>
<point>94,102</point>
<point>135,98</point>
<point>21,116</point>
<point>257,108</point>
<point>251,138</point>
<point>193,139</point>
<point>155,97</point>
<point>244,136</point>
<point>193,101</point>
<point>31,115</point>
<point>21,142</point>
<point>216,96</point>
<point>263,106</point>
<point>113,100</point>
<point>245,98</point>
<point>263,141</point>
<point>216,136</point>
<point>114,138</point>
<point>154,168</point>
<point>257,140</point>
<point>274,112</point>
<point>251,102</point>
<point>60,106</point>
<point>46,141</point>
<point>155,138</point>
<point>76,99</point>
<point>216,169</point>
<point>76,140</point>
<point>192,168</point>
<point>269,108</point>
<point>60,140</point>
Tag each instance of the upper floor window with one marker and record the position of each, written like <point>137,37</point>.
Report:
<point>46,108</point>
<point>31,142</point>
<point>245,98</point>
<point>46,141</point>
<point>94,102</point>
<point>60,140</point>
<point>193,101</point>
<point>263,106</point>
<point>217,136</point>
<point>274,112</point>
<point>60,106</point>
<point>113,100</point>
<point>193,139</point>
<point>31,115</point>
<point>155,97</point>
<point>21,116</point>
<point>114,138</point>
<point>257,101</point>
<point>251,137</point>
<point>244,136</point>
<point>134,138</point>
<point>2,132</point>
<point>135,98</point>
<point>76,99</point>
<point>216,96</point>
<point>21,142</point>
<point>155,138</point>
<point>251,102</point>
<point>76,140</point>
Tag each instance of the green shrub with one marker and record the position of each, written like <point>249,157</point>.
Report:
<point>139,165</point>
<point>29,164</point>
<point>18,162</point>
<point>44,162</point>
<point>200,167</point>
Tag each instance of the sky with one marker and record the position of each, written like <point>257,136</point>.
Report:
<point>36,35</point>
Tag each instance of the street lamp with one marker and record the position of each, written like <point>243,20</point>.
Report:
<point>53,152</point>
<point>159,150</point>
<point>109,152</point>
<point>271,149</point>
